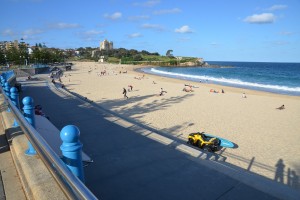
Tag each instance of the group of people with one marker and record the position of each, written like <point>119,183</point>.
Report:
<point>140,78</point>
<point>102,73</point>
<point>161,93</point>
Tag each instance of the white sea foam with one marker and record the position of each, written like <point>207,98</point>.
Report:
<point>227,81</point>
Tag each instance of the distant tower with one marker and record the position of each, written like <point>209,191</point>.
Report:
<point>105,45</point>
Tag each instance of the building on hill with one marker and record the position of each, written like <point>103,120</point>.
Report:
<point>6,45</point>
<point>105,45</point>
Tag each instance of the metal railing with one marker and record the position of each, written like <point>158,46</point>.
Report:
<point>68,182</point>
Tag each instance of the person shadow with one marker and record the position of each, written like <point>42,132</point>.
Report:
<point>279,174</point>
<point>293,179</point>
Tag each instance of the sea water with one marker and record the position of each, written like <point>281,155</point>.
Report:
<point>281,78</point>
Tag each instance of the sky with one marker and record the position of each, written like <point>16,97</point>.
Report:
<point>216,30</point>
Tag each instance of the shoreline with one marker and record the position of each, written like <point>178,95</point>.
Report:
<point>139,70</point>
<point>253,123</point>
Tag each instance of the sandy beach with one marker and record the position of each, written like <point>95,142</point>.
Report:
<point>264,134</point>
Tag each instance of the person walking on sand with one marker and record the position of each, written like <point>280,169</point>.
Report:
<point>162,92</point>
<point>125,93</point>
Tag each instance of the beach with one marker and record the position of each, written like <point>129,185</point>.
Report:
<point>267,139</point>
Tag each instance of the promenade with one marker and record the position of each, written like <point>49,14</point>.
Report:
<point>130,162</point>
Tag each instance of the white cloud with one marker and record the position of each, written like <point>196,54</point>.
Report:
<point>153,26</point>
<point>184,29</point>
<point>135,35</point>
<point>183,39</point>
<point>138,17</point>
<point>8,32</point>
<point>30,34</point>
<point>286,33</point>
<point>149,3</point>
<point>62,25</point>
<point>30,37</point>
<point>264,18</point>
<point>114,16</point>
<point>277,7</point>
<point>33,31</point>
<point>170,11</point>
<point>93,32</point>
<point>90,35</point>
<point>280,43</point>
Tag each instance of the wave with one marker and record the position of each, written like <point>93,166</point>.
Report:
<point>227,81</point>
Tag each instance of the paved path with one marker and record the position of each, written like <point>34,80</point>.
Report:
<point>131,166</point>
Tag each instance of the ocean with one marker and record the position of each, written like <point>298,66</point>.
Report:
<point>280,78</point>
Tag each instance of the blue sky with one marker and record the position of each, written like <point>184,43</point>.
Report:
<point>217,30</point>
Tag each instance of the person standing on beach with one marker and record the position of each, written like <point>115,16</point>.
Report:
<point>125,93</point>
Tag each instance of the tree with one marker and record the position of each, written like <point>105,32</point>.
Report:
<point>133,52</point>
<point>145,52</point>
<point>13,56</point>
<point>137,57</point>
<point>2,58</point>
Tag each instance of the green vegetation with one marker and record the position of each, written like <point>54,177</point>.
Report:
<point>40,54</point>
<point>143,57</point>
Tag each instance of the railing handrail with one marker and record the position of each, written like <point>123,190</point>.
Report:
<point>69,183</point>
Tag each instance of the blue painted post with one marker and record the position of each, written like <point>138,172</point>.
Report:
<point>2,81</point>
<point>7,89</point>
<point>14,96</point>
<point>7,92</point>
<point>71,150</point>
<point>29,115</point>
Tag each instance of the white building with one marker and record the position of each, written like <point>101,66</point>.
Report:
<point>105,45</point>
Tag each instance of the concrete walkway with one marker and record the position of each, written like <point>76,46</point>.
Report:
<point>10,184</point>
<point>134,163</point>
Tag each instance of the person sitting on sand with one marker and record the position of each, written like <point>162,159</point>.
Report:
<point>281,107</point>
<point>244,95</point>
<point>188,89</point>
<point>191,86</point>
<point>214,91</point>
